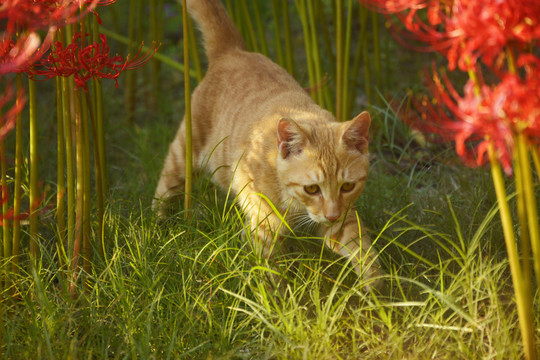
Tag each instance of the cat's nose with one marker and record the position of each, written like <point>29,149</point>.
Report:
<point>332,217</point>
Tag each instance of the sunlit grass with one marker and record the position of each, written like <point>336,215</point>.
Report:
<point>194,288</point>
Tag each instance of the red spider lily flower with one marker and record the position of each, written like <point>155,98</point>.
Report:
<point>463,30</point>
<point>42,14</point>
<point>17,57</point>
<point>9,118</point>
<point>482,29</point>
<point>92,61</point>
<point>492,115</point>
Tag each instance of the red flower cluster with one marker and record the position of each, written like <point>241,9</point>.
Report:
<point>17,57</point>
<point>92,61</point>
<point>21,19</point>
<point>485,114</point>
<point>466,31</point>
<point>34,15</point>
<point>463,30</point>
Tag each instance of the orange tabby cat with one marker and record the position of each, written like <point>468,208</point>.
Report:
<point>261,133</point>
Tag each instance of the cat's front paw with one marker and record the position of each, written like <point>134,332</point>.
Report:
<point>350,241</point>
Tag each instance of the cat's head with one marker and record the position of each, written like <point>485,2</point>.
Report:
<point>324,165</point>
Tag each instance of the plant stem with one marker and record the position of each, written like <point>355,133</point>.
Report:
<point>523,299</point>
<point>323,93</point>
<point>530,205</point>
<point>131,78</point>
<point>79,233</point>
<point>5,205</point>
<point>87,192</point>
<point>187,119</point>
<point>194,51</point>
<point>301,6</point>
<point>522,217</point>
<point>249,30</point>
<point>289,57</point>
<point>358,56</point>
<point>376,49</point>
<point>155,73</point>
<point>34,191</point>
<point>260,29</point>
<point>98,130</point>
<point>67,100</point>
<point>60,168</point>
<point>163,58</point>
<point>277,36</point>
<point>339,59</point>
<point>345,92</point>
<point>17,184</point>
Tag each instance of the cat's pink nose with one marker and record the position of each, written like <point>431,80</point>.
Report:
<point>332,217</point>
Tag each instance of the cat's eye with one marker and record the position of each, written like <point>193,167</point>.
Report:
<point>346,187</point>
<point>312,189</point>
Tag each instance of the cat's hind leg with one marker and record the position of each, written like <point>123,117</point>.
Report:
<point>172,179</point>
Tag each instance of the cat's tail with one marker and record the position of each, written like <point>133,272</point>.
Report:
<point>219,32</point>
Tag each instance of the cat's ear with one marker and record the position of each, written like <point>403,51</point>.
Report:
<point>356,132</point>
<point>290,137</point>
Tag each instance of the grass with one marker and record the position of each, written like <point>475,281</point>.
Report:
<point>193,289</point>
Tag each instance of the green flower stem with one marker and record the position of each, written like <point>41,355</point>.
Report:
<point>339,60</point>
<point>277,36</point>
<point>289,56</point>
<point>536,159</point>
<point>163,58</point>
<point>324,33</point>
<point>60,169</point>
<point>98,131</point>
<point>155,68</point>
<point>346,92</point>
<point>194,51</point>
<point>230,9</point>
<point>187,119</point>
<point>522,212</point>
<point>522,217</point>
<point>530,204</point>
<point>323,91</point>
<point>367,67</point>
<point>523,299</point>
<point>260,29</point>
<point>17,185</point>
<point>34,190</point>
<point>302,12</point>
<point>131,79</point>
<point>358,56</point>
<point>96,120</point>
<point>67,100</point>
<point>376,49</point>
<point>248,26</point>
<point>87,192</point>
<point>387,72</point>
<point>79,140</point>
<point>5,206</point>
